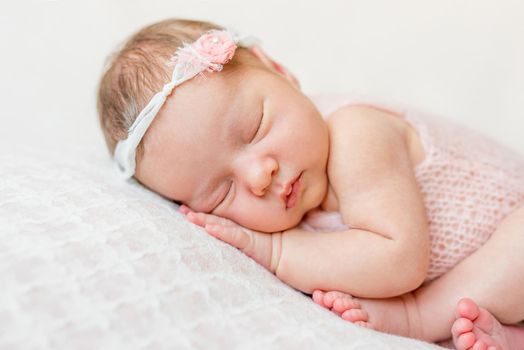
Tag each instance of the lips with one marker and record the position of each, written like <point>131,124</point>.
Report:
<point>292,191</point>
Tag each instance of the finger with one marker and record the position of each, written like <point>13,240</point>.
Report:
<point>203,219</point>
<point>184,209</point>
<point>241,239</point>
<point>194,218</point>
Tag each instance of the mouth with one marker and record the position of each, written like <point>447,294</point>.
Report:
<point>292,191</point>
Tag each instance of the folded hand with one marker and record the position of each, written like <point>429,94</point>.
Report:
<point>255,244</point>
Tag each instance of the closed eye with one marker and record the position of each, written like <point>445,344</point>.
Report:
<point>223,199</point>
<point>258,127</point>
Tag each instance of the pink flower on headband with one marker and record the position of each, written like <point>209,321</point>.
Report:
<point>216,46</point>
<point>209,52</point>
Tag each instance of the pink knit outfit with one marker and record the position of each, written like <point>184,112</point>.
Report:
<point>469,183</point>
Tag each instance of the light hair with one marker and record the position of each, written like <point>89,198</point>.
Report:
<point>139,69</point>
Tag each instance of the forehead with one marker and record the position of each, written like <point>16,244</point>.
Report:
<point>190,134</point>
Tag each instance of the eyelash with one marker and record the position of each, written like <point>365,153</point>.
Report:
<point>225,197</point>
<point>258,128</point>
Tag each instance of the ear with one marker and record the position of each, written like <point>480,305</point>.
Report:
<point>268,62</point>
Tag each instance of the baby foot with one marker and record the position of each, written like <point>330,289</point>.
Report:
<point>476,328</point>
<point>343,305</point>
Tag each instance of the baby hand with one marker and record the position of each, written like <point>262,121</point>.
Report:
<point>257,245</point>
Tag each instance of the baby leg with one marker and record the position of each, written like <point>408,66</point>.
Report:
<point>493,276</point>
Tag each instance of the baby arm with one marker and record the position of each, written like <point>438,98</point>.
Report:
<point>370,169</point>
<point>354,261</point>
<point>386,250</point>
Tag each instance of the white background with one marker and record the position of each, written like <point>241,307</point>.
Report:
<point>462,59</point>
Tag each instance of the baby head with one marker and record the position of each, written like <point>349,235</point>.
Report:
<point>240,141</point>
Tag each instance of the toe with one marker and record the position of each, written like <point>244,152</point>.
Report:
<point>464,341</point>
<point>318,297</point>
<point>355,315</point>
<point>479,345</point>
<point>365,324</point>
<point>467,308</point>
<point>330,297</point>
<point>346,303</point>
<point>461,325</point>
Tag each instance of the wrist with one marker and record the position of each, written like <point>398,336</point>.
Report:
<point>276,250</point>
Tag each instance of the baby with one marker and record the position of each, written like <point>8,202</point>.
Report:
<point>414,213</point>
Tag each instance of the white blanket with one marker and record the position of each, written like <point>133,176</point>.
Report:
<point>89,262</point>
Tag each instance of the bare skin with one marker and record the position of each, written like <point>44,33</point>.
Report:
<point>428,313</point>
<point>477,328</point>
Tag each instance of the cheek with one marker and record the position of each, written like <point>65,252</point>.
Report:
<point>266,219</point>
<point>251,213</point>
<point>258,215</point>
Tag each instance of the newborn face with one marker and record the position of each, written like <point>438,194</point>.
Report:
<point>248,146</point>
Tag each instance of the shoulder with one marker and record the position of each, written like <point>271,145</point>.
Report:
<point>365,139</point>
<point>361,116</point>
<point>369,161</point>
<point>373,122</point>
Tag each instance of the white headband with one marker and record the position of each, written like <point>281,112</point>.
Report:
<point>208,53</point>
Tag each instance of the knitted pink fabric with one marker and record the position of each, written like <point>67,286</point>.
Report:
<point>469,183</point>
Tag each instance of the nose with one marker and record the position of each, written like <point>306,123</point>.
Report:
<point>257,174</point>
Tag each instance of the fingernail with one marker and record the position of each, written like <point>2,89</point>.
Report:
<point>184,209</point>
